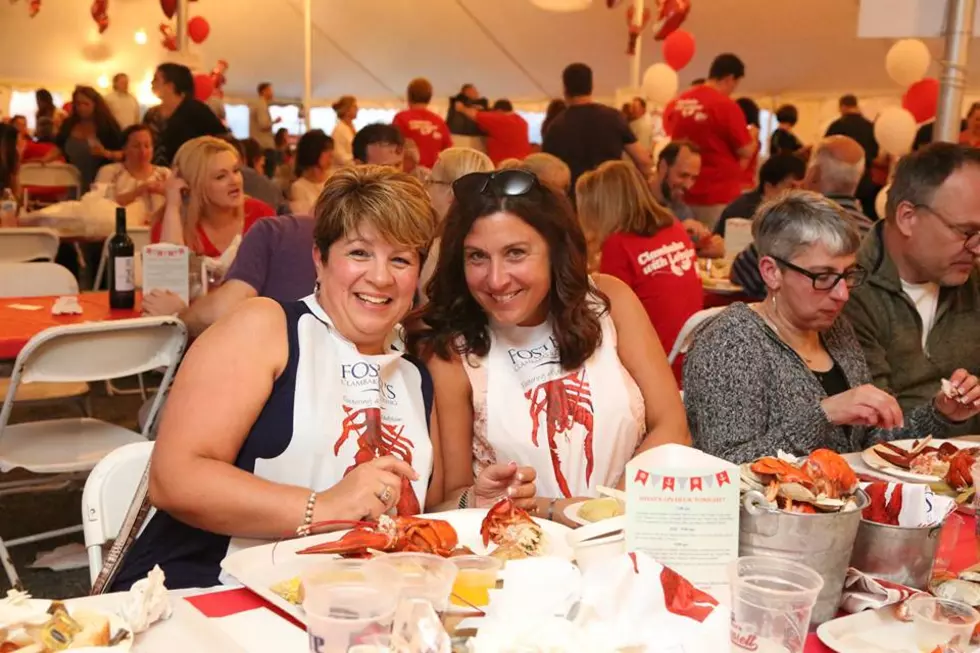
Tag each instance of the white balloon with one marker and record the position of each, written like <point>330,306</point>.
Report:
<point>908,61</point>
<point>660,83</point>
<point>881,200</point>
<point>895,130</point>
<point>562,5</point>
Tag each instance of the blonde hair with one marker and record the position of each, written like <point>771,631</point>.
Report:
<point>614,198</point>
<point>394,203</point>
<point>454,162</point>
<point>191,162</point>
<point>549,169</point>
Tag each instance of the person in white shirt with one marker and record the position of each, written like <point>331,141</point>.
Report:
<point>343,133</point>
<point>640,123</point>
<point>314,153</point>
<point>124,107</point>
<point>260,124</point>
<point>135,182</point>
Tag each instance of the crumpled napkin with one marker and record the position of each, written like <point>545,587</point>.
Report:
<point>17,608</point>
<point>67,305</point>
<point>147,602</point>
<point>864,592</point>
<point>918,506</point>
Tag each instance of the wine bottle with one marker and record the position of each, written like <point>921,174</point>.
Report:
<point>122,293</point>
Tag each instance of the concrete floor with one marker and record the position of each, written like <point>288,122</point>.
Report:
<point>25,514</point>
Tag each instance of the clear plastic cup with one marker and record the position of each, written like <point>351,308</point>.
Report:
<point>415,575</point>
<point>772,600</point>
<point>343,615</point>
<point>334,571</point>
<point>942,621</point>
<point>477,576</point>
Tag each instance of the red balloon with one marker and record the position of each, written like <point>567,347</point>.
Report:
<point>198,29</point>
<point>921,99</point>
<point>203,86</point>
<point>669,17</point>
<point>169,7</point>
<point>678,49</point>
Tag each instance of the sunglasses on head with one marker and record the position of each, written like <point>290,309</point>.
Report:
<point>502,183</point>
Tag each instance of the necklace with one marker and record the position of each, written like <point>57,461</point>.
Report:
<point>763,313</point>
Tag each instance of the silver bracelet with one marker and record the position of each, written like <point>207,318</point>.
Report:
<point>304,529</point>
<point>464,498</point>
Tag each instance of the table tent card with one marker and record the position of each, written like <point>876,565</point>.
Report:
<point>166,267</point>
<point>682,508</point>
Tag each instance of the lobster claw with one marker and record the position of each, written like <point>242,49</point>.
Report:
<point>353,544</point>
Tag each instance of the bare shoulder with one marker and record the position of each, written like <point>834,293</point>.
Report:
<point>257,326</point>
<point>622,300</point>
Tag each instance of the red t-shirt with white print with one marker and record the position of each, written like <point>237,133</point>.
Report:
<point>427,129</point>
<point>713,122</point>
<point>661,271</point>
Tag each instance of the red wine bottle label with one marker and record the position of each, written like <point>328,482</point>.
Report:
<point>123,266</point>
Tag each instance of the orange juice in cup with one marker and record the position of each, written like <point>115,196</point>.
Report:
<point>477,575</point>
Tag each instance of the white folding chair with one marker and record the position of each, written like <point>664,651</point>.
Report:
<point>22,244</point>
<point>109,491</point>
<point>66,449</point>
<point>51,175</point>
<point>140,237</point>
<point>686,337</point>
<point>38,279</point>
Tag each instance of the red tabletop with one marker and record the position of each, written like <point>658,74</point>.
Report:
<point>957,551</point>
<point>18,326</point>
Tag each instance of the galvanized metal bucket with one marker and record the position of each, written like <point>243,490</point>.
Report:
<point>897,553</point>
<point>822,541</point>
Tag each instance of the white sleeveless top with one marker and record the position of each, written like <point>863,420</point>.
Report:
<point>577,429</point>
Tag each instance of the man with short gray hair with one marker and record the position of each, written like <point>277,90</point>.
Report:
<point>917,315</point>
<point>835,170</point>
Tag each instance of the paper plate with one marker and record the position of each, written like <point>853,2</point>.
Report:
<point>571,514</point>
<point>874,461</point>
<point>116,623</point>
<point>260,567</point>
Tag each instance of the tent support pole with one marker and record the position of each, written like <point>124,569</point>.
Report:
<point>959,29</point>
<point>183,16</point>
<point>637,60</point>
<point>308,63</point>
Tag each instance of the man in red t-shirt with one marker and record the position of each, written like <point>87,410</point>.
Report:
<point>428,130</point>
<point>506,131</point>
<point>707,116</point>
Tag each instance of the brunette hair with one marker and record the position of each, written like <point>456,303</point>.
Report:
<point>614,198</point>
<point>105,122</point>
<point>419,91</point>
<point>454,323</point>
<point>9,158</point>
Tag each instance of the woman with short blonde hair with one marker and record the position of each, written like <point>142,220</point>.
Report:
<point>642,244</point>
<point>325,418</point>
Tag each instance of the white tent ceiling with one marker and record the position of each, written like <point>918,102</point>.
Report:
<point>371,48</point>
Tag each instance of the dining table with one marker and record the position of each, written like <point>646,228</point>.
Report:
<point>22,318</point>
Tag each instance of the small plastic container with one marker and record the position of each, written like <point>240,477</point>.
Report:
<point>415,575</point>
<point>942,621</point>
<point>476,577</point>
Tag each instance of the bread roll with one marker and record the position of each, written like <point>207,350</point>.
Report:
<point>95,630</point>
<point>595,510</point>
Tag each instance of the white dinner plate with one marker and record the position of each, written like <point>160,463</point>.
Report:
<point>260,567</point>
<point>874,461</point>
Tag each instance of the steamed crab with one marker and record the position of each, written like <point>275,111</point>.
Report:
<point>823,481</point>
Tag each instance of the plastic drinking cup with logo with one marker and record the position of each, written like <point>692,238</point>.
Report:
<point>772,600</point>
<point>414,576</point>
<point>340,616</point>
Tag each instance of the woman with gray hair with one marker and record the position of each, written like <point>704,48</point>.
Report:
<point>788,373</point>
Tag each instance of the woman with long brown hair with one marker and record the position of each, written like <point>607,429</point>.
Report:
<point>90,137</point>
<point>639,242</point>
<point>524,350</point>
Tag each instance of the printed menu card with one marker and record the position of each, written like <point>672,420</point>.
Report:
<point>682,509</point>
<point>166,267</point>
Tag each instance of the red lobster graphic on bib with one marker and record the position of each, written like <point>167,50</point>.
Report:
<point>374,440</point>
<point>565,402</point>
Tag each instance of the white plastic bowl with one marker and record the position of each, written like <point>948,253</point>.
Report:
<point>598,541</point>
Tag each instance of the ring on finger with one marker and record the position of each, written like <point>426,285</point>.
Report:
<point>385,496</point>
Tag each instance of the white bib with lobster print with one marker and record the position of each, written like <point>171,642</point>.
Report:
<point>575,428</point>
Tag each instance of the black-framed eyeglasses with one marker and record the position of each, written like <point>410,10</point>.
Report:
<point>971,238</point>
<point>502,183</point>
<point>852,278</point>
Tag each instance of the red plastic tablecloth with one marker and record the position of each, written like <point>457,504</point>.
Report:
<point>18,326</point>
<point>957,550</point>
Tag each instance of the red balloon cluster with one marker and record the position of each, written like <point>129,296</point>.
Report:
<point>921,99</point>
<point>678,49</point>
<point>100,14</point>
